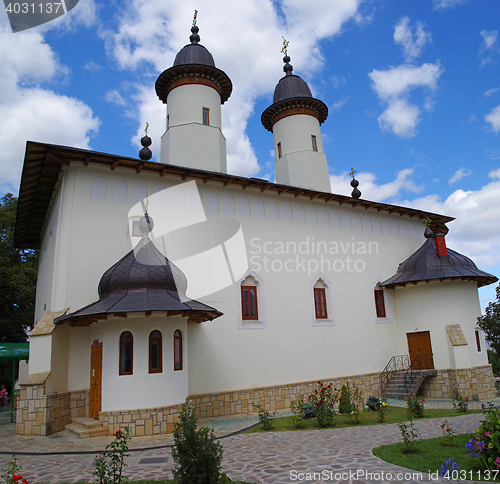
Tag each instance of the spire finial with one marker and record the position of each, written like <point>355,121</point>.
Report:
<point>354,184</point>
<point>287,67</point>
<point>145,154</point>
<point>194,37</point>
<point>428,233</point>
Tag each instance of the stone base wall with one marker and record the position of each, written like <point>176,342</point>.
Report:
<point>41,414</point>
<point>475,383</point>
<point>151,421</point>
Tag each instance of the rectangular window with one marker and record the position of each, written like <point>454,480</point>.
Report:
<point>206,116</point>
<point>249,302</point>
<point>478,341</point>
<point>315,145</point>
<point>379,303</point>
<point>320,303</point>
<point>279,150</point>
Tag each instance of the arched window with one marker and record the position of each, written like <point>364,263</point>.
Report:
<point>126,353</point>
<point>177,350</point>
<point>120,191</point>
<point>155,357</point>
<point>98,189</point>
<point>251,310</point>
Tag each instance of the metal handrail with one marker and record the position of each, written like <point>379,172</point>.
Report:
<point>396,363</point>
<point>420,362</point>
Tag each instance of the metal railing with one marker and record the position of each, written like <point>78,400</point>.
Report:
<point>419,363</point>
<point>396,363</point>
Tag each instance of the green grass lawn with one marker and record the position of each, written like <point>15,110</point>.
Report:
<point>431,454</point>
<point>393,415</point>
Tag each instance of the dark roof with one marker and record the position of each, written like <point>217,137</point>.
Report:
<point>142,281</point>
<point>43,165</point>
<point>289,87</point>
<point>196,61</point>
<point>426,265</point>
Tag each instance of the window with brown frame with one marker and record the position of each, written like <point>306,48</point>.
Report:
<point>177,350</point>
<point>206,116</point>
<point>320,303</point>
<point>126,353</point>
<point>155,356</point>
<point>380,303</point>
<point>315,145</point>
<point>478,341</point>
<point>249,308</point>
<point>279,150</point>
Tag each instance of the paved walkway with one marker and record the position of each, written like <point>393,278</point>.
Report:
<point>336,455</point>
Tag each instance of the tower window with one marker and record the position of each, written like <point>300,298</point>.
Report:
<point>320,303</point>
<point>478,341</point>
<point>126,353</point>
<point>206,116</point>
<point>279,150</point>
<point>380,303</point>
<point>249,302</point>
<point>177,350</point>
<point>155,357</point>
<point>314,144</point>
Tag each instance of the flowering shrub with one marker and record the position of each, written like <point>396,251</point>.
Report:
<point>462,405</point>
<point>415,406</point>
<point>409,433</point>
<point>10,473</point>
<point>266,418</point>
<point>447,469</point>
<point>355,401</point>
<point>323,399</point>
<point>373,403</point>
<point>486,443</point>
<point>448,433</point>
<point>382,410</point>
<point>111,472</point>
<point>297,408</point>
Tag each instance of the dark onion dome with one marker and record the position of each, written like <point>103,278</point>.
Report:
<point>142,281</point>
<point>426,265</point>
<point>292,96</point>
<point>193,64</point>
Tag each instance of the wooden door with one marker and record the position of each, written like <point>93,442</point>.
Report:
<point>95,380</point>
<point>419,346</point>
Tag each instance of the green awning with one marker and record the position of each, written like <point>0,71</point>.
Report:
<point>14,351</point>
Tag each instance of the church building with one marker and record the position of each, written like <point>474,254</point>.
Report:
<point>163,280</point>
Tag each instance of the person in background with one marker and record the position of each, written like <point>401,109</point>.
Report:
<point>3,396</point>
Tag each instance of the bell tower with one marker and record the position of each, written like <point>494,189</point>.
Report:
<point>194,90</point>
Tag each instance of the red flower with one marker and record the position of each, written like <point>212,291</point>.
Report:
<point>335,388</point>
<point>317,404</point>
<point>15,478</point>
<point>25,481</point>
<point>447,430</point>
<point>319,383</point>
<point>322,391</point>
<point>321,401</point>
<point>442,426</point>
<point>118,433</point>
<point>423,399</point>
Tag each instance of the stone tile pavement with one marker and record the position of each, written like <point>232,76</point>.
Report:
<point>335,455</point>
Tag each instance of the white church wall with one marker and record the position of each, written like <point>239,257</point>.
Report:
<point>79,343</point>
<point>294,133</point>
<point>40,353</point>
<point>58,379</point>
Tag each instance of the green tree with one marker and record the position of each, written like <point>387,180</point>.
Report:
<point>18,271</point>
<point>490,323</point>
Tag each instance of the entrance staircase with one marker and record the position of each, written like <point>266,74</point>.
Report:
<point>400,378</point>
<point>86,427</point>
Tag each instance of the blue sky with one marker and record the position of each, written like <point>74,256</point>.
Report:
<point>412,87</point>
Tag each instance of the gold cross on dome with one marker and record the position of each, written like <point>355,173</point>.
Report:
<point>147,126</point>
<point>428,221</point>
<point>195,16</point>
<point>353,171</point>
<point>284,50</point>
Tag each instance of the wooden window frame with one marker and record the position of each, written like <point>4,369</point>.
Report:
<point>478,340</point>
<point>178,362</point>
<point>249,304</point>
<point>122,339</point>
<point>320,306</point>
<point>279,150</point>
<point>380,303</point>
<point>314,143</point>
<point>160,356</point>
<point>206,115</point>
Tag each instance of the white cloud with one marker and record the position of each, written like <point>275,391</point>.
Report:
<point>494,119</point>
<point>411,40</point>
<point>442,4</point>
<point>458,175</point>
<point>393,87</point>
<point>115,97</point>
<point>30,111</point>
<point>489,46</point>
<point>338,105</point>
<point>92,66</point>
<point>491,91</point>
<point>150,37</point>
<point>471,119</point>
<point>369,188</point>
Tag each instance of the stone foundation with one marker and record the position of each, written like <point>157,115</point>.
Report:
<point>475,383</point>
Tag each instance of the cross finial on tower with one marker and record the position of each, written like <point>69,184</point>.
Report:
<point>195,16</point>
<point>146,130</point>
<point>353,171</point>
<point>284,50</point>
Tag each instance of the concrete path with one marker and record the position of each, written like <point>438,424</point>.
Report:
<point>335,455</point>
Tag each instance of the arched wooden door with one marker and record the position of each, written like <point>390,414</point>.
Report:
<point>419,346</point>
<point>95,380</point>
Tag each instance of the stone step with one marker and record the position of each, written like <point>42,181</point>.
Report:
<point>86,432</point>
<point>87,422</point>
